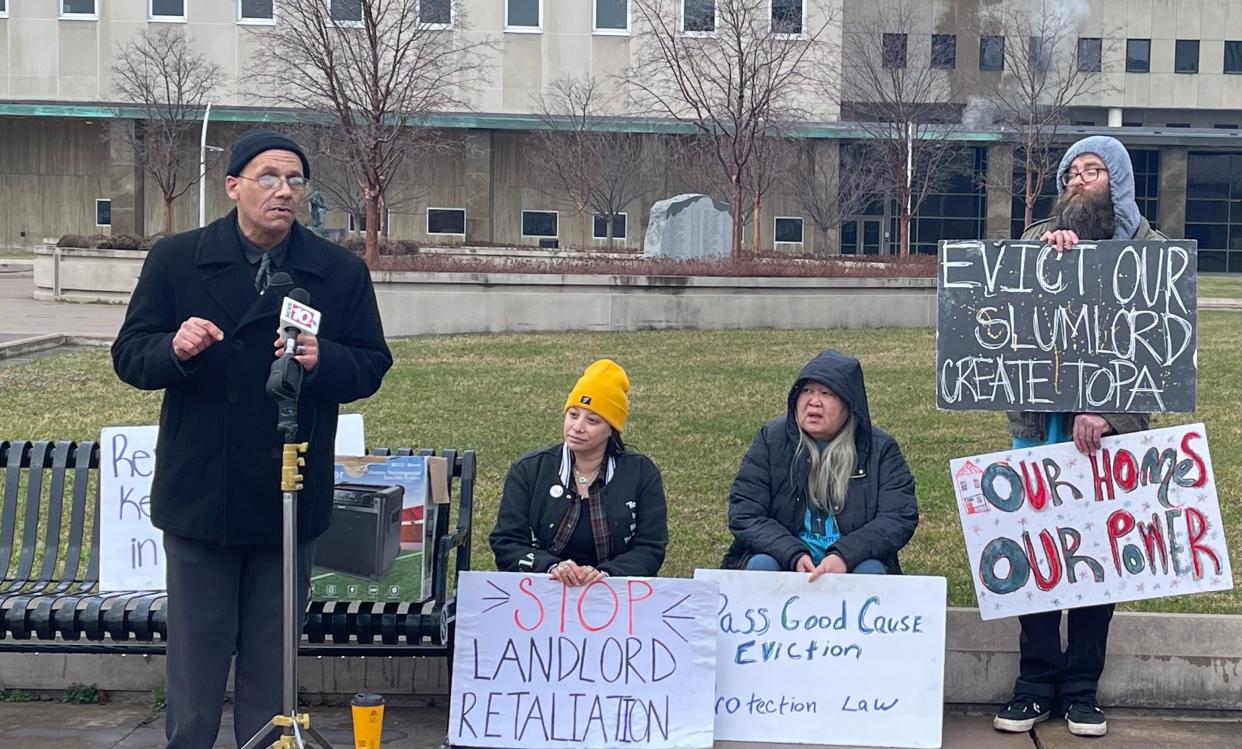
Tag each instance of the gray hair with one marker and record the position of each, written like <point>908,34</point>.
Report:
<point>828,481</point>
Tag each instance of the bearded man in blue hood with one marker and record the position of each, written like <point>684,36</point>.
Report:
<point>1095,185</point>
<point>821,490</point>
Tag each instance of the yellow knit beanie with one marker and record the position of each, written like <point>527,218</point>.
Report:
<point>602,388</point>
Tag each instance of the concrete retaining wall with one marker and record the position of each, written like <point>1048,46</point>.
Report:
<point>1183,661</point>
<point>428,303</point>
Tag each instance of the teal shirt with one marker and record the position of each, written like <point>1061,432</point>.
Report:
<point>819,531</point>
<point>1057,432</point>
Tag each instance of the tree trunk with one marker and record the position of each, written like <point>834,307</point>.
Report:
<point>757,228</point>
<point>903,245</point>
<point>371,253</point>
<point>168,214</point>
<point>735,250</point>
<point>1028,197</point>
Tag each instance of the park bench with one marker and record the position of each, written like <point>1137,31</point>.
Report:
<point>49,569</point>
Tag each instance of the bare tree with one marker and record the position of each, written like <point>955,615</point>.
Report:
<point>1048,70</point>
<point>732,68</point>
<point>775,157</point>
<point>576,155</point>
<point>374,70</point>
<point>160,72</point>
<point>829,196</point>
<point>339,177</point>
<point>899,101</point>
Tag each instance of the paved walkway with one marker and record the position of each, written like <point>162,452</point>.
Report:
<point>128,725</point>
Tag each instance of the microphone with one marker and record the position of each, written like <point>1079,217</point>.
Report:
<point>297,316</point>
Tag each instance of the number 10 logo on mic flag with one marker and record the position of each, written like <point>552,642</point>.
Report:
<point>301,316</point>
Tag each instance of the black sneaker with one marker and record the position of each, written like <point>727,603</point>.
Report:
<point>1085,718</point>
<point>1022,713</point>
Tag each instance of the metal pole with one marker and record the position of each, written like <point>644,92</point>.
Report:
<point>202,170</point>
<point>293,632</point>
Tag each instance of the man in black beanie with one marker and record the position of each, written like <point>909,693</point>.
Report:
<point>200,327</point>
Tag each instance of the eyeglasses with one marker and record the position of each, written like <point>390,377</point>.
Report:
<point>1086,175</point>
<point>272,181</point>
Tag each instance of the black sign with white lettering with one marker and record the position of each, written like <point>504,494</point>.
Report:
<point>1105,327</point>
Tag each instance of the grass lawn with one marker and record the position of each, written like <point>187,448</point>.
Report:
<point>14,252</point>
<point>697,398</point>
<point>1221,286</point>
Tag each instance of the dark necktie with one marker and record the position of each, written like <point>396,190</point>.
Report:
<point>264,276</point>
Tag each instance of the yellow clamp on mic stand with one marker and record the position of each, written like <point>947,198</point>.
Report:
<point>291,461</point>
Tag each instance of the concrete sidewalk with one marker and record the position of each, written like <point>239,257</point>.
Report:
<point>129,725</point>
<point>21,316</point>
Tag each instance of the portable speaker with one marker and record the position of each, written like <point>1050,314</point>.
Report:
<point>365,535</point>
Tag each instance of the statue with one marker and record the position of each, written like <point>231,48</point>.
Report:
<point>318,207</point>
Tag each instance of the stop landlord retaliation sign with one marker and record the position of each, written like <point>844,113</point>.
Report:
<point>1106,327</point>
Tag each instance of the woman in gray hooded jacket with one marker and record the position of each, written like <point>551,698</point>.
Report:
<point>821,489</point>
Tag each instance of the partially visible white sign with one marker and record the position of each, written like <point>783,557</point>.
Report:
<point>131,550</point>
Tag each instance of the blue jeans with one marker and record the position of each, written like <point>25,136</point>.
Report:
<point>768,563</point>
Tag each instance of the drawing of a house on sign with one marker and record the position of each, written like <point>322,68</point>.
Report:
<point>968,479</point>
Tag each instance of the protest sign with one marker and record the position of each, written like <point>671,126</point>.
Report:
<point>619,662</point>
<point>131,550</point>
<point>1108,326</point>
<point>1048,528</point>
<point>854,660</point>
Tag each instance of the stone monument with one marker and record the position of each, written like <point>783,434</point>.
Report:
<point>687,226</point>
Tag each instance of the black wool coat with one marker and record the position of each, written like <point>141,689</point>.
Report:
<point>217,463</point>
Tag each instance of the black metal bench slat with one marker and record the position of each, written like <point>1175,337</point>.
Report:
<point>30,524</point>
<point>15,455</point>
<point>86,457</point>
<point>60,610</point>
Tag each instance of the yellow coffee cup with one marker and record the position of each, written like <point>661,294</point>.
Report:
<point>368,713</point>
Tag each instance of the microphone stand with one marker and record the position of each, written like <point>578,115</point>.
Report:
<point>284,384</point>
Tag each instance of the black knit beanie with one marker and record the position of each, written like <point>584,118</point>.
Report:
<point>255,142</point>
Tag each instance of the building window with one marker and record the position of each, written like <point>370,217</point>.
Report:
<point>958,211</point>
<point>167,10</point>
<point>1177,124</point>
<point>523,15</point>
<point>992,53</point>
<point>894,50</point>
<point>787,229</point>
<point>1147,183</point>
<point>1186,56</point>
<point>1233,57</point>
<point>599,226</point>
<point>787,16</point>
<point>103,212</point>
<point>1138,55</point>
<point>4,8</point>
<point>436,13</point>
<point>540,224</point>
<point>1214,209</point>
<point>1036,54</point>
<point>1090,54</point>
<point>345,12</point>
<point>256,11</point>
<point>612,16</point>
<point>944,51</point>
<point>446,221</point>
<point>698,16</point>
<point>77,9</point>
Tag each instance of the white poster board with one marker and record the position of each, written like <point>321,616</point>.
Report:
<point>1048,528</point>
<point>855,660</point>
<point>131,550</point>
<point>621,662</point>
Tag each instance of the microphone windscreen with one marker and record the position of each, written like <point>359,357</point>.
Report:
<point>300,295</point>
<point>280,279</point>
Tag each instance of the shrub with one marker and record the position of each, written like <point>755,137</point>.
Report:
<point>81,694</point>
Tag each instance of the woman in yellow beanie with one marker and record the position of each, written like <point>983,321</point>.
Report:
<point>588,507</point>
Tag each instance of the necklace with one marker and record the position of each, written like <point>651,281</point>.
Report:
<point>585,480</point>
